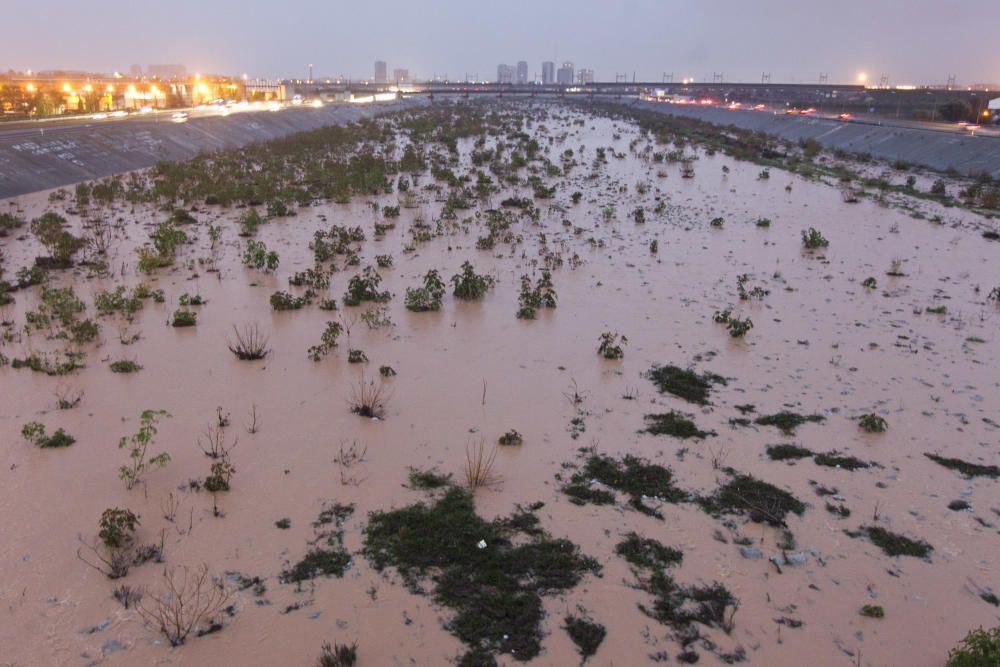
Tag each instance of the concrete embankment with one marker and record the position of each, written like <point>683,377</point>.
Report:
<point>939,149</point>
<point>50,156</point>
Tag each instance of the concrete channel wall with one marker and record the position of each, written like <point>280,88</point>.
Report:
<point>50,156</point>
<point>938,149</point>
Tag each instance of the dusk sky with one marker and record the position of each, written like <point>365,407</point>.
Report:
<point>917,41</point>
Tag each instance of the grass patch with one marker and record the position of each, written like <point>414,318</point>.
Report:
<point>681,606</point>
<point>787,451</point>
<point>493,586</point>
<point>645,552</point>
<point>894,544</point>
<point>428,479</point>
<point>761,501</point>
<point>125,366</point>
<point>964,467</point>
<point>835,460</point>
<point>633,476</point>
<point>684,383</point>
<point>786,421</point>
<point>674,424</point>
<point>585,633</point>
<point>873,611</point>
<point>327,557</point>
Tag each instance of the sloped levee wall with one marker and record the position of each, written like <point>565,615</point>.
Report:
<point>937,149</point>
<point>38,159</point>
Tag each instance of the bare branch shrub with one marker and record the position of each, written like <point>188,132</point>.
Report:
<point>192,599</point>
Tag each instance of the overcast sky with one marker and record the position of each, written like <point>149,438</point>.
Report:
<point>911,41</point>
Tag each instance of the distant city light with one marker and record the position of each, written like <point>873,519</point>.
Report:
<point>862,77</point>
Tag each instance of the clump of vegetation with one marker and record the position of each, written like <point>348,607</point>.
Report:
<point>979,648</point>
<point>469,285</point>
<point>220,473</point>
<point>647,552</point>
<point>118,301</point>
<point>674,424</point>
<point>338,655</point>
<point>786,451</point>
<point>635,477</point>
<point>184,317</point>
<point>511,437</point>
<point>761,501</point>
<point>786,421</point>
<point>894,544</point>
<point>34,432</point>
<point>813,239</point>
<point>364,287</point>
<point>542,295</point>
<point>612,346</point>
<point>327,557</point>
<point>125,366</point>
<point>259,257</point>
<point>285,301</point>
<point>387,371</point>
<point>251,342</point>
<point>585,633</point>
<point>357,357</point>
<point>869,283</point>
<point>49,229</point>
<point>138,445</point>
<point>739,327</point>
<point>428,479</point>
<point>873,611</point>
<point>966,468</point>
<point>427,297</point>
<point>327,341</point>
<point>368,399</point>
<point>681,606</point>
<point>493,584</point>
<point>684,383</point>
<point>836,460</point>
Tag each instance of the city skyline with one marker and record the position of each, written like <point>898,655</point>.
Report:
<point>699,40</point>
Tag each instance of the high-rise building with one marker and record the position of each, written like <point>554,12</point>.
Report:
<point>548,72</point>
<point>401,75</point>
<point>564,76</point>
<point>135,71</point>
<point>380,71</point>
<point>522,72</point>
<point>585,76</point>
<point>505,73</point>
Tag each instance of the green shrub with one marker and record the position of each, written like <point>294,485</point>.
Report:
<point>979,648</point>
<point>813,239</point>
<point>427,297</point>
<point>470,285</point>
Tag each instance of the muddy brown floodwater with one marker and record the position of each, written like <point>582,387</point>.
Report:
<point>821,343</point>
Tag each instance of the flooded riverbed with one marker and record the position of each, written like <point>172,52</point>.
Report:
<point>821,343</point>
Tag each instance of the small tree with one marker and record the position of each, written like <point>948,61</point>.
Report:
<point>50,232</point>
<point>138,444</point>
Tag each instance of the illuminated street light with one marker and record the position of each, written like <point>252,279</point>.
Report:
<point>862,77</point>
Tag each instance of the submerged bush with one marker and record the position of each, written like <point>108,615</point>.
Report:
<point>470,285</point>
<point>493,583</point>
<point>34,432</point>
<point>427,297</point>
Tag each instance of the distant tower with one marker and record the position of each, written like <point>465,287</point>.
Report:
<point>380,71</point>
<point>522,72</point>
<point>548,72</point>
<point>564,76</point>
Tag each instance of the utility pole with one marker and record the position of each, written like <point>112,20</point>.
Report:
<point>310,72</point>
<point>765,77</point>
<point>823,78</point>
<point>716,77</point>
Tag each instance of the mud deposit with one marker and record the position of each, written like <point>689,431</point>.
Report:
<point>596,512</point>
